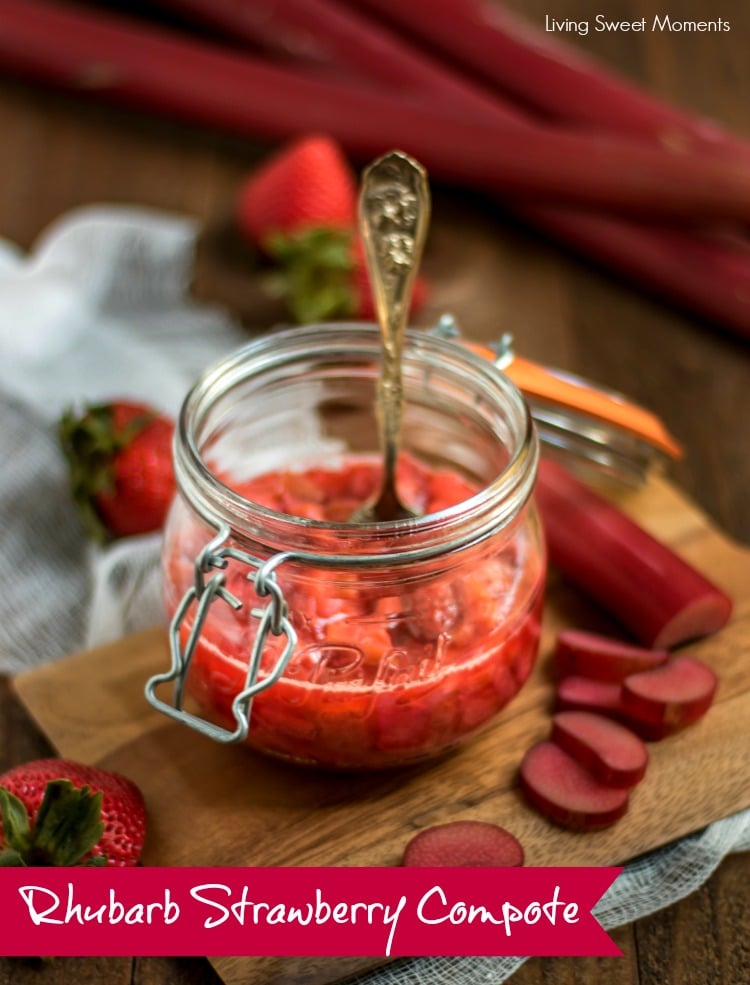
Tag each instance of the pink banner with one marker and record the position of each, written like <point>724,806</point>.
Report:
<point>365,912</point>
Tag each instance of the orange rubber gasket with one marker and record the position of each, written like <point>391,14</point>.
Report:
<point>537,382</point>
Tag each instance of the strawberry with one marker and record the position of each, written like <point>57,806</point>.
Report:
<point>120,460</point>
<point>299,209</point>
<point>307,185</point>
<point>58,812</point>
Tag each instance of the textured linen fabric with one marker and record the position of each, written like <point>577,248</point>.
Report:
<point>100,309</point>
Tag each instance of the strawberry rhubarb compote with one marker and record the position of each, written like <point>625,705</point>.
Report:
<point>328,642</point>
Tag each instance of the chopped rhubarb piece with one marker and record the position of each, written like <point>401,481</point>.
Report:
<point>605,698</point>
<point>586,694</point>
<point>432,610</point>
<point>464,843</point>
<point>559,787</point>
<point>673,695</point>
<point>662,599</point>
<point>649,731</point>
<point>602,658</point>
<point>611,752</point>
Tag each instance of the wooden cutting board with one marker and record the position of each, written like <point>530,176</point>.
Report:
<point>212,805</point>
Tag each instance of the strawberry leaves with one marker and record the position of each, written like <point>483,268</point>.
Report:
<point>299,210</point>
<point>16,829</point>
<point>60,812</point>
<point>68,826</point>
<point>313,273</point>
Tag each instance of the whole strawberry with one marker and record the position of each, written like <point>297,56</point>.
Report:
<point>306,185</point>
<point>120,460</point>
<point>58,812</point>
<point>299,209</point>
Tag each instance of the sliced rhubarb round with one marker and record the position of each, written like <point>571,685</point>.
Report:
<point>611,752</point>
<point>464,843</point>
<point>673,695</point>
<point>576,693</point>
<point>559,787</point>
<point>602,658</point>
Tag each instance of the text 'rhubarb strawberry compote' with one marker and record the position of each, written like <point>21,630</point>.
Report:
<point>334,643</point>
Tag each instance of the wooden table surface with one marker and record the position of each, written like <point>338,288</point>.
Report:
<point>57,152</point>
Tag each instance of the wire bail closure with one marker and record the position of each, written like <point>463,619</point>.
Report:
<point>273,620</point>
<point>503,350</point>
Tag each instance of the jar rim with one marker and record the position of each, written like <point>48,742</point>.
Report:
<point>494,506</point>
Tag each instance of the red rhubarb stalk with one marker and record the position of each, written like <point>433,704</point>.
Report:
<point>697,272</point>
<point>114,58</point>
<point>558,80</point>
<point>328,37</point>
<point>659,597</point>
<point>705,276</point>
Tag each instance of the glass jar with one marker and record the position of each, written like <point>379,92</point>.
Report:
<point>350,646</point>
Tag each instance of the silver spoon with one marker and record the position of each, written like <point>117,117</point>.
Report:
<point>394,212</point>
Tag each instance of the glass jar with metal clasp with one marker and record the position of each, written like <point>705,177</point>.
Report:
<point>329,642</point>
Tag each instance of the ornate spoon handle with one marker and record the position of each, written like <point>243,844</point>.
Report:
<point>394,213</point>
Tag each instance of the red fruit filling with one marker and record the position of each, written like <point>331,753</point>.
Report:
<point>384,672</point>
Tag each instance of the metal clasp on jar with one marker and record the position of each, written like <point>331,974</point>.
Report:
<point>210,587</point>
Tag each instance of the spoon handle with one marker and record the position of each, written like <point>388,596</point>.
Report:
<point>394,213</point>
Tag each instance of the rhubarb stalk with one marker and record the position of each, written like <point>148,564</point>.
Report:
<point>334,40</point>
<point>702,274</point>
<point>113,57</point>
<point>657,595</point>
<point>157,70</point>
<point>555,79</point>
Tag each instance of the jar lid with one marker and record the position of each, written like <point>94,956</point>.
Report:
<point>588,425</point>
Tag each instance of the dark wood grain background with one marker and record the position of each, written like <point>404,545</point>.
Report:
<point>57,152</point>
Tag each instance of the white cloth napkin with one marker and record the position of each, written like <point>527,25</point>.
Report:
<point>100,309</point>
